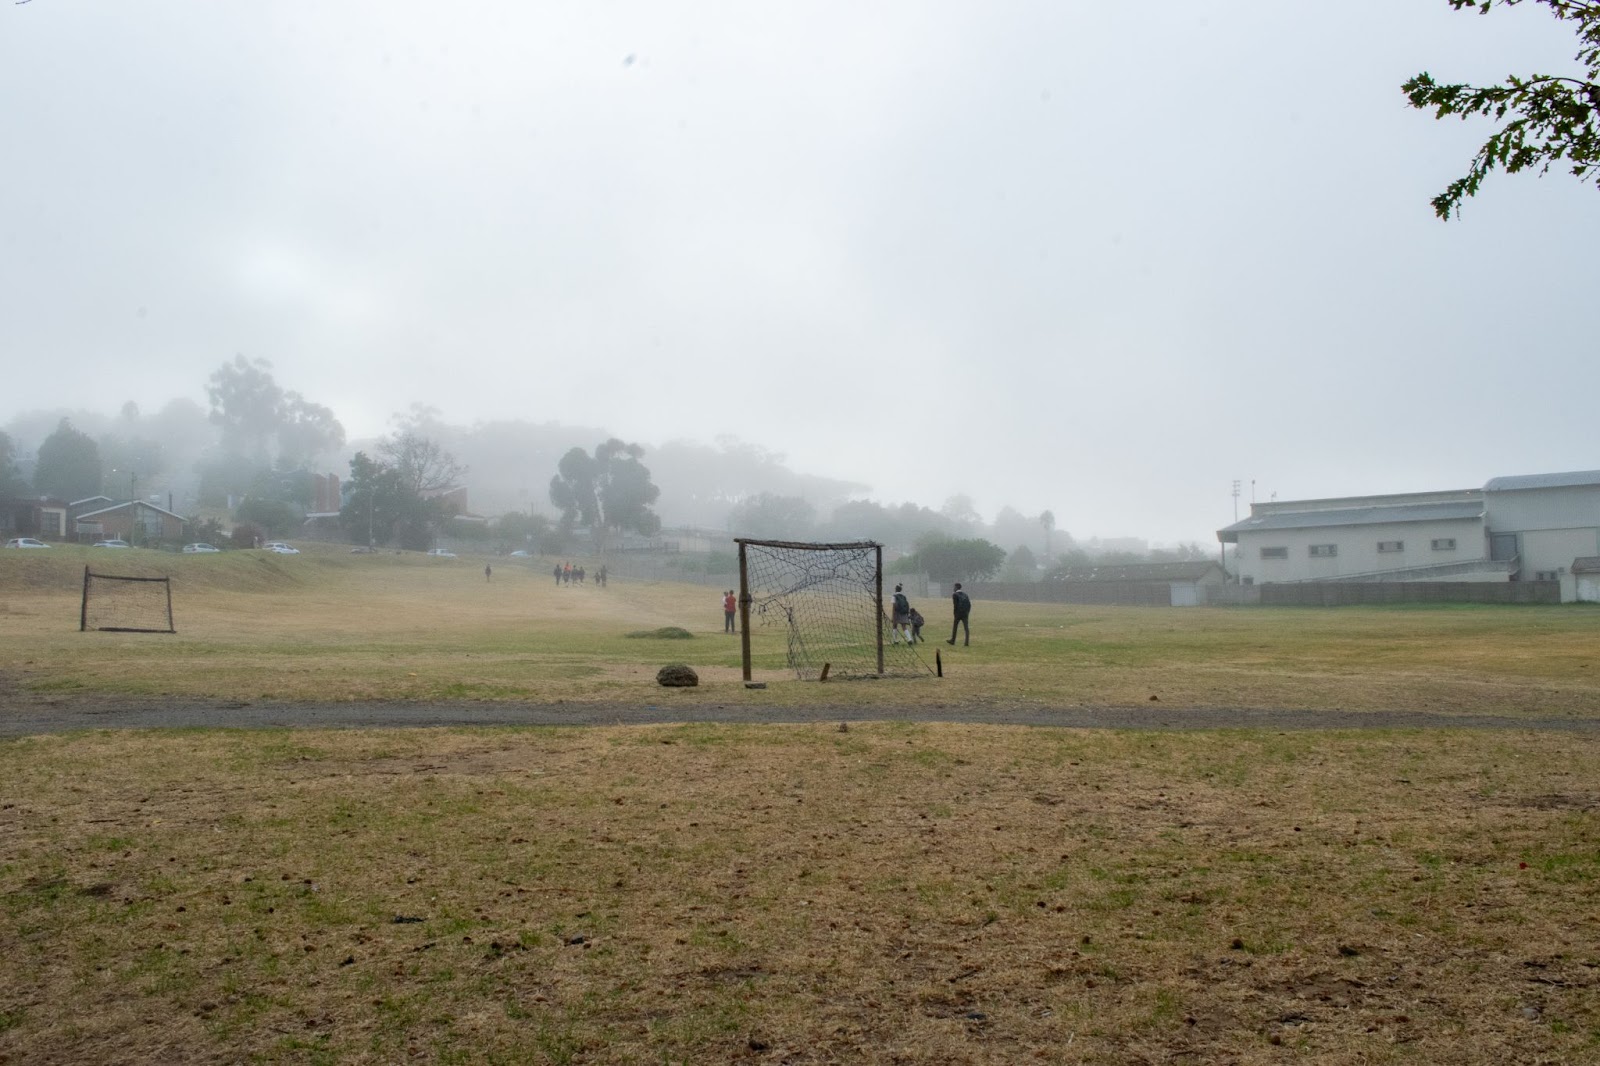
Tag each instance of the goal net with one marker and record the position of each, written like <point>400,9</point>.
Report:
<point>126,604</point>
<point>826,602</point>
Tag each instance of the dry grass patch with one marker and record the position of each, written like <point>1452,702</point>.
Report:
<point>799,894</point>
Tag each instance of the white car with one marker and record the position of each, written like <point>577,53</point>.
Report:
<point>280,547</point>
<point>441,553</point>
<point>25,542</point>
<point>521,554</point>
<point>114,542</point>
<point>199,549</point>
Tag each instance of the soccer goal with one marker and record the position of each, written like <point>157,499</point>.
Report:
<point>827,602</point>
<point>115,604</point>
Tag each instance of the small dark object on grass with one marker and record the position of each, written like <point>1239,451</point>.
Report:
<point>677,675</point>
<point>664,633</point>
<point>1155,697</point>
<point>1347,951</point>
<point>755,684</point>
<point>404,919</point>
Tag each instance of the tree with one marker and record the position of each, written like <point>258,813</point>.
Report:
<point>945,559</point>
<point>69,464</point>
<point>423,467</point>
<point>255,413</point>
<point>247,404</point>
<point>1021,565</point>
<point>776,517</point>
<point>11,483</point>
<point>1553,118</point>
<point>279,518</point>
<point>610,491</point>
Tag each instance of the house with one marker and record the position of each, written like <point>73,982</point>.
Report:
<point>136,521</point>
<point>1526,528</point>
<point>35,516</point>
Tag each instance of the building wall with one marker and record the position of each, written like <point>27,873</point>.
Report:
<point>1551,551</point>
<point>1554,525</point>
<point>1357,549</point>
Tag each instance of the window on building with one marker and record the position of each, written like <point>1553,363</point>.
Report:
<point>1324,551</point>
<point>1444,544</point>
<point>1274,553</point>
<point>1547,575</point>
<point>1391,545</point>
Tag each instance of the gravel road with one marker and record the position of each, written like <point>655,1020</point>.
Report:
<point>27,717</point>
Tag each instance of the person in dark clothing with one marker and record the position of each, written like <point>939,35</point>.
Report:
<point>488,573</point>
<point>558,573</point>
<point>963,606</point>
<point>900,620</point>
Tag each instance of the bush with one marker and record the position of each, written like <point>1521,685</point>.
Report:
<point>664,633</point>
<point>247,535</point>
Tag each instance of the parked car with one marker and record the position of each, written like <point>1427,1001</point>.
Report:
<point>441,553</point>
<point>199,549</point>
<point>25,542</point>
<point>280,547</point>
<point>114,542</point>
<point>521,553</point>
<point>362,549</point>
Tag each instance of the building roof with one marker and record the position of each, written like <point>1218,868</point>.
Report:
<point>129,503</point>
<point>1571,479</point>
<point>1353,516</point>
<point>1176,571</point>
<point>89,499</point>
<point>1586,564</point>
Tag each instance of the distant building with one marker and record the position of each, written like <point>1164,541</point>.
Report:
<point>136,521</point>
<point>1535,527</point>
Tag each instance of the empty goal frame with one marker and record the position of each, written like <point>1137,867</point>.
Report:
<point>121,604</point>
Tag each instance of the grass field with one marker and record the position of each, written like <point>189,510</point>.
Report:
<point>330,626</point>
<point>885,892</point>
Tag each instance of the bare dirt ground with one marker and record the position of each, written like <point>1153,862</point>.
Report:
<point>24,715</point>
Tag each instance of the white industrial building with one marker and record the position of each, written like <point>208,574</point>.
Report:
<point>1537,527</point>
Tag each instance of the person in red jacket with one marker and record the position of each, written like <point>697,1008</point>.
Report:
<point>730,604</point>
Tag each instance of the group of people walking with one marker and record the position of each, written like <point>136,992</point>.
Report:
<point>567,574</point>
<point>906,621</point>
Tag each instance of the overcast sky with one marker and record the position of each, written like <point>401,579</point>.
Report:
<point>1102,258</point>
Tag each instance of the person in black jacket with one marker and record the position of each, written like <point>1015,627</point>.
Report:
<point>963,606</point>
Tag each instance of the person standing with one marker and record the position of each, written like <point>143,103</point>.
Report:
<point>730,605</point>
<point>900,621</point>
<point>963,608</point>
<point>916,626</point>
<point>488,574</point>
<point>558,575</point>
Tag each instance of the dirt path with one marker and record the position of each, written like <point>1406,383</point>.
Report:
<point>29,717</point>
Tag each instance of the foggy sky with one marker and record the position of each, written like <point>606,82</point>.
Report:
<point>1101,258</point>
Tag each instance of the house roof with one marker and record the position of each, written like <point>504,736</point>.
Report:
<point>1571,479</point>
<point>1586,564</point>
<point>1353,516</point>
<point>130,503</point>
<point>1176,571</point>
<point>89,499</point>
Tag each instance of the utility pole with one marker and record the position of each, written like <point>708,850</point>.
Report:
<point>1236,499</point>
